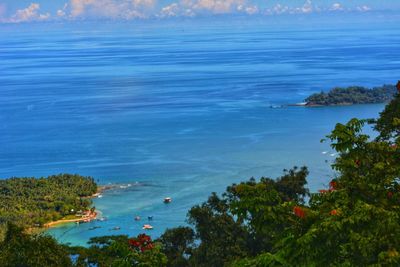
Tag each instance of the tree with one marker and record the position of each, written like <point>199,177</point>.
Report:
<point>388,125</point>
<point>356,222</point>
<point>223,238</point>
<point>120,251</point>
<point>245,221</point>
<point>177,245</point>
<point>24,250</point>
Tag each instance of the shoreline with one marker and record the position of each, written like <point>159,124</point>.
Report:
<point>92,216</point>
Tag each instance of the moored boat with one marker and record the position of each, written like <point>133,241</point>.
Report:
<point>147,227</point>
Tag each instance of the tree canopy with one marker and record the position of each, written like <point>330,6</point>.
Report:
<point>353,95</point>
<point>31,202</point>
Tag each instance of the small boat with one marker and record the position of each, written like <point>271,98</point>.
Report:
<point>167,200</point>
<point>94,228</point>
<point>150,218</point>
<point>137,218</point>
<point>147,227</point>
<point>102,219</point>
<point>116,228</point>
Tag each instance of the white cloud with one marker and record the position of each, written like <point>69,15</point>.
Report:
<point>196,7</point>
<point>277,9</point>
<point>78,6</point>
<point>217,6</point>
<point>191,8</point>
<point>60,13</point>
<point>171,10</point>
<point>144,3</point>
<point>115,9</point>
<point>307,7</point>
<point>31,13</point>
<point>337,7</point>
<point>363,8</point>
<point>131,9</point>
<point>252,10</point>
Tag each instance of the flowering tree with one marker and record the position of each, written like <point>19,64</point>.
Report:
<point>120,251</point>
<point>356,221</point>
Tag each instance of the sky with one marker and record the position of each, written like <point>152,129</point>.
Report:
<point>22,11</point>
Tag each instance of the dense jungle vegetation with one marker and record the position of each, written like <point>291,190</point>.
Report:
<point>352,95</point>
<point>29,202</point>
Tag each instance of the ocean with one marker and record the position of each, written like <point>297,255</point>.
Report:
<point>178,109</point>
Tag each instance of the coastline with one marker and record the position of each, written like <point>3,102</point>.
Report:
<point>311,105</point>
<point>92,215</point>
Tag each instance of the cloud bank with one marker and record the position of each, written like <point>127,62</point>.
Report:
<point>144,9</point>
<point>31,13</point>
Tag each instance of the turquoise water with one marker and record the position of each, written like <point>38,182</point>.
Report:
<point>178,109</point>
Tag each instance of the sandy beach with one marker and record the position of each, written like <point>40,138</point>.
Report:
<point>90,217</point>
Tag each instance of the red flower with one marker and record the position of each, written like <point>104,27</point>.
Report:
<point>299,212</point>
<point>389,194</point>
<point>134,243</point>
<point>357,162</point>
<point>141,243</point>
<point>332,185</point>
<point>333,212</point>
<point>144,238</point>
<point>323,191</point>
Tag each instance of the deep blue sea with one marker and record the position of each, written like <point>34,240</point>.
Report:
<point>179,108</point>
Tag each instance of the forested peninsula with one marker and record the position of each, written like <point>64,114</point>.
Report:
<point>352,95</point>
<point>353,221</point>
<point>32,202</point>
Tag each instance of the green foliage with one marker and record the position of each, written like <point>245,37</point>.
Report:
<point>262,260</point>
<point>19,249</point>
<point>388,125</point>
<point>247,220</point>
<point>357,221</point>
<point>120,251</point>
<point>266,206</point>
<point>32,202</point>
<point>177,245</point>
<point>23,250</point>
<point>222,237</point>
<point>353,95</point>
